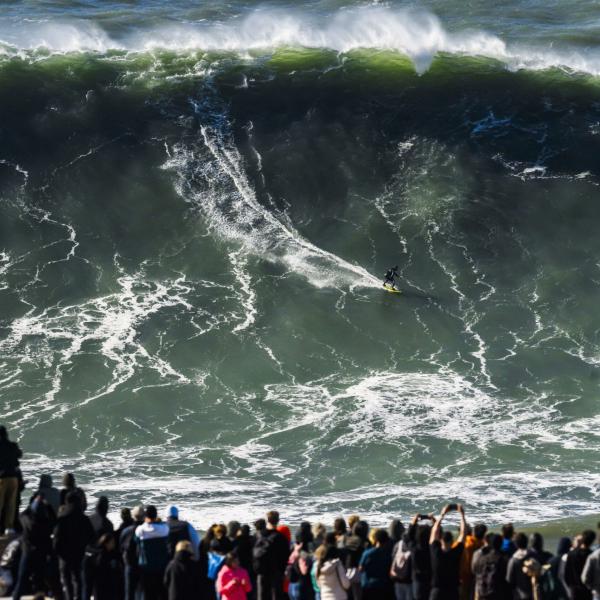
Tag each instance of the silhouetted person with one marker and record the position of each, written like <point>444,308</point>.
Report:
<point>69,487</point>
<point>182,576</point>
<point>49,492</point>
<point>72,535</point>
<point>10,453</point>
<point>38,521</point>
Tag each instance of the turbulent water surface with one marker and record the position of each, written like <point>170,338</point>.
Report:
<point>198,200</point>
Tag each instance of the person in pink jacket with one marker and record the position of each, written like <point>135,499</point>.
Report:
<point>233,582</point>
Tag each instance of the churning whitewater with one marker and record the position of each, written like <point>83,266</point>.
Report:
<point>196,211</point>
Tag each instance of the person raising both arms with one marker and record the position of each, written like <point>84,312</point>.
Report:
<point>445,556</point>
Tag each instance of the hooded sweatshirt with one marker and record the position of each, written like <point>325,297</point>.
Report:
<point>517,579</point>
<point>233,584</point>
<point>332,581</point>
<point>49,492</point>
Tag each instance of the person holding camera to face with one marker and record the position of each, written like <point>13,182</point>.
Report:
<point>445,556</point>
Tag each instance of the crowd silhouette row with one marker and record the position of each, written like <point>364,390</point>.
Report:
<point>53,548</point>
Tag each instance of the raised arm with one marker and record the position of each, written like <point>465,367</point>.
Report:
<point>463,524</point>
<point>437,523</point>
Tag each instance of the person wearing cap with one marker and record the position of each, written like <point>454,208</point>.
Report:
<point>152,541</point>
<point>180,531</point>
<point>182,576</point>
<point>129,553</point>
<point>10,453</point>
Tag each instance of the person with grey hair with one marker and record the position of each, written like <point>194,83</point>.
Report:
<point>129,554</point>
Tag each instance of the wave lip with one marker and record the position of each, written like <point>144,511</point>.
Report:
<point>417,34</point>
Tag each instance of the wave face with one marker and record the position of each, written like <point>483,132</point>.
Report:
<point>194,220</point>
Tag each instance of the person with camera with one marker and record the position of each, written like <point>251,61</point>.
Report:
<point>445,556</point>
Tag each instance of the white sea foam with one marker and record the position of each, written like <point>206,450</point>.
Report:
<point>418,34</point>
<point>219,187</point>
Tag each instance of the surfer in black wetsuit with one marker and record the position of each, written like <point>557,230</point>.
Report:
<point>390,276</point>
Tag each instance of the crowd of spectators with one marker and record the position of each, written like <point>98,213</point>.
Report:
<point>55,549</point>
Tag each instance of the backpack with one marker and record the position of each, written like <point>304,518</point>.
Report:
<point>490,575</point>
<point>262,554</point>
<point>215,562</point>
<point>401,568</point>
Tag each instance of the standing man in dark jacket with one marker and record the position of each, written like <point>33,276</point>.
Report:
<point>128,549</point>
<point>270,557</point>
<point>72,535</point>
<point>489,569</point>
<point>182,576</point>
<point>38,521</point>
<point>516,577</point>
<point>576,559</point>
<point>102,526</point>
<point>10,453</point>
<point>181,531</point>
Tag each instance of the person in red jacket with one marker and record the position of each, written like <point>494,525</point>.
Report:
<point>233,582</point>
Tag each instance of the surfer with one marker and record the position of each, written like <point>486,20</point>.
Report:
<point>390,276</point>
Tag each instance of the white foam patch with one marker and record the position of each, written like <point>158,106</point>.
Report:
<point>217,184</point>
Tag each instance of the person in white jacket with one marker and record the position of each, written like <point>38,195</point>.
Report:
<point>330,574</point>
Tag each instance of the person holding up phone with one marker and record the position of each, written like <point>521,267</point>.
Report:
<point>445,556</point>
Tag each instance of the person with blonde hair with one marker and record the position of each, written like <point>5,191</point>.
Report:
<point>329,571</point>
<point>182,575</point>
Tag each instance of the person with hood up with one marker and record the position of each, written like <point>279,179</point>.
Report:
<point>49,492</point>
<point>536,549</point>
<point>69,487</point>
<point>73,533</point>
<point>10,453</point>
<point>330,574</point>
<point>181,531</point>
<point>38,521</point>
<point>233,582</point>
<point>557,569</point>
<point>182,576</point>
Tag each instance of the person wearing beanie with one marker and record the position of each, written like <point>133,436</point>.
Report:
<point>180,531</point>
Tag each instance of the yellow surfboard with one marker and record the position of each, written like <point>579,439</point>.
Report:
<point>390,289</point>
